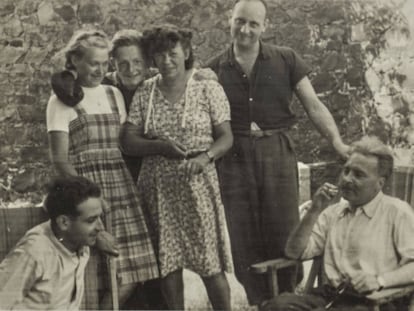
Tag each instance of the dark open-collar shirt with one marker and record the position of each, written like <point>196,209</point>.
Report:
<point>112,79</point>
<point>266,98</point>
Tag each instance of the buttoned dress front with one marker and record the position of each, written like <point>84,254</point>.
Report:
<point>187,216</point>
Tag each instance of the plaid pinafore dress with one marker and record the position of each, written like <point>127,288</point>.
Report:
<point>94,153</point>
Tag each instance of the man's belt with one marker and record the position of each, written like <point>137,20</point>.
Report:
<point>260,133</point>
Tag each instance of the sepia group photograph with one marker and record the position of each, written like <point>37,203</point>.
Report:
<point>245,155</point>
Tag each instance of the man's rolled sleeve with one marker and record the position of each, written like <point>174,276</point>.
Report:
<point>317,240</point>
<point>403,230</point>
<point>299,68</point>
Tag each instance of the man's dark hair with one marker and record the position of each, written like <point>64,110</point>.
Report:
<point>126,37</point>
<point>262,1</point>
<point>162,38</point>
<point>66,193</point>
<point>372,146</point>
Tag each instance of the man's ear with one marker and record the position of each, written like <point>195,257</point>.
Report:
<point>74,60</point>
<point>63,222</point>
<point>186,53</point>
<point>266,24</point>
<point>112,62</point>
<point>229,17</point>
<point>381,182</point>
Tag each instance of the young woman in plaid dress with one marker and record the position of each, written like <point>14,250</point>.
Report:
<point>84,141</point>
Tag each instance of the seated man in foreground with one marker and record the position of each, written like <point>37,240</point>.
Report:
<point>366,239</point>
<point>45,271</point>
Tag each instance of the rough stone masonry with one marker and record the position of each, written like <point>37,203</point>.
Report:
<point>360,51</point>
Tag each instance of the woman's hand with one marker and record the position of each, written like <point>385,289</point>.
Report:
<point>106,243</point>
<point>194,165</point>
<point>172,149</point>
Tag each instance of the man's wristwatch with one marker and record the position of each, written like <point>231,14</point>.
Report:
<point>210,155</point>
<point>381,282</point>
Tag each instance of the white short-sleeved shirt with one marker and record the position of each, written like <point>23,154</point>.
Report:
<point>95,101</point>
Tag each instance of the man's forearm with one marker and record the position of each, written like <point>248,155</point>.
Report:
<point>404,275</point>
<point>320,116</point>
<point>325,124</point>
<point>141,147</point>
<point>299,238</point>
<point>223,140</point>
<point>132,144</point>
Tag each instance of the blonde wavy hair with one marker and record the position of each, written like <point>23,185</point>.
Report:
<point>83,40</point>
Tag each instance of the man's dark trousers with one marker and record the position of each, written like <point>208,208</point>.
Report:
<point>259,185</point>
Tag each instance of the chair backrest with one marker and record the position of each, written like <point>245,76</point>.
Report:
<point>316,275</point>
<point>401,184</point>
<point>14,222</point>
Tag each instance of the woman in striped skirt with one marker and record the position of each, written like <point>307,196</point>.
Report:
<point>83,140</point>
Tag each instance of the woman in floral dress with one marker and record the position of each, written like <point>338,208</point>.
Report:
<point>84,141</point>
<point>180,126</point>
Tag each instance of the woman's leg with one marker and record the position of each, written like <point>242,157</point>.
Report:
<point>172,287</point>
<point>218,291</point>
<point>124,291</point>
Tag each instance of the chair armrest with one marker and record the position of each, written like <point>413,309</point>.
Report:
<point>389,294</point>
<point>274,264</point>
<point>270,267</point>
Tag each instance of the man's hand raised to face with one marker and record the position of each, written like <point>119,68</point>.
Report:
<point>324,196</point>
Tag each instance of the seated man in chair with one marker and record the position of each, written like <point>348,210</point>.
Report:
<point>366,239</point>
<point>45,271</point>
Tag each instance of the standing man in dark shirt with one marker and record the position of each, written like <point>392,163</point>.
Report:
<point>259,176</point>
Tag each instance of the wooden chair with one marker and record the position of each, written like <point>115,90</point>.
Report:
<point>14,222</point>
<point>112,268</point>
<point>374,300</point>
<point>401,185</point>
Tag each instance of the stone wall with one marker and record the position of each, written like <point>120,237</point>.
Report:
<point>359,51</point>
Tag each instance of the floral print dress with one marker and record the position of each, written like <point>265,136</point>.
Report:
<point>187,217</point>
